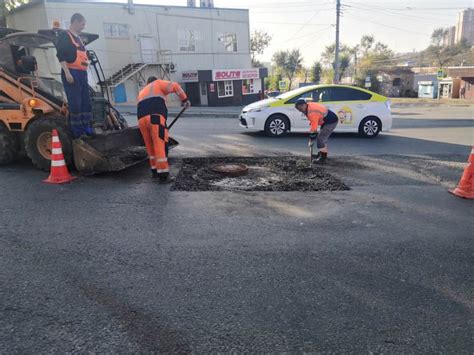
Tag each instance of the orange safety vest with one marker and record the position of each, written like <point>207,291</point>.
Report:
<point>152,98</point>
<point>316,113</point>
<point>82,61</point>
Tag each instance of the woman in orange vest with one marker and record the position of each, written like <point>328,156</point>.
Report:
<point>152,115</point>
<point>72,56</point>
<point>319,115</point>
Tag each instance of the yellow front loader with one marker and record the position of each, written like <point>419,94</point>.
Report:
<point>32,103</point>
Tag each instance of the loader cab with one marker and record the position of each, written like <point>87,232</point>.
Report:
<point>31,59</point>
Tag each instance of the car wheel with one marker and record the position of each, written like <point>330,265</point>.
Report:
<point>370,127</point>
<point>277,126</point>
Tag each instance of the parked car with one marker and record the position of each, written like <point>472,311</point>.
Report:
<point>359,110</point>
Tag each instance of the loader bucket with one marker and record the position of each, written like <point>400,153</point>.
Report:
<point>111,151</point>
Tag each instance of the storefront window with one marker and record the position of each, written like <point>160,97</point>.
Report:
<point>225,88</point>
<point>251,86</point>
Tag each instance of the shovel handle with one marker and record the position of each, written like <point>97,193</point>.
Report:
<point>176,118</point>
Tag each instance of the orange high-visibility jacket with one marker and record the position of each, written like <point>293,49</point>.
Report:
<point>152,98</point>
<point>316,113</point>
<point>82,61</point>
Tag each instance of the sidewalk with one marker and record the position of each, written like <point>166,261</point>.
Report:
<point>234,111</point>
<point>423,102</point>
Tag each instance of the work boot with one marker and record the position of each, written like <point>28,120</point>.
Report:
<point>321,158</point>
<point>165,179</point>
<point>154,174</point>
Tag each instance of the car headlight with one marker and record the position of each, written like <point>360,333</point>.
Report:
<point>257,109</point>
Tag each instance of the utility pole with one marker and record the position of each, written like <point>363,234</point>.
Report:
<point>336,64</point>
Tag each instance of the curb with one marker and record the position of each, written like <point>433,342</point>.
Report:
<point>428,105</point>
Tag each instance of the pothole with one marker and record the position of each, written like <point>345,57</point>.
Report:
<point>264,174</point>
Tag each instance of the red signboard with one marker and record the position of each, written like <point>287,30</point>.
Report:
<point>234,74</point>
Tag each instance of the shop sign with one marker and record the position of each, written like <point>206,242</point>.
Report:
<point>441,74</point>
<point>189,76</point>
<point>235,74</point>
<point>368,82</point>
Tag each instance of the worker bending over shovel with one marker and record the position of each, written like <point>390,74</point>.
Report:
<point>152,116</point>
<point>318,115</point>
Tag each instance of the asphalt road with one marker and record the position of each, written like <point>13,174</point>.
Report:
<point>117,263</point>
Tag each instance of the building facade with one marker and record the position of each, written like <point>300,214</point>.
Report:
<point>465,26</point>
<point>170,42</point>
<point>463,78</point>
<point>449,39</point>
<point>396,82</point>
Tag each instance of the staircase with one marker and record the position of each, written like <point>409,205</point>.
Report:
<point>125,73</point>
<point>162,59</point>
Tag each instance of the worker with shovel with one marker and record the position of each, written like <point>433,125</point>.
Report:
<point>319,115</point>
<point>73,58</point>
<point>152,116</point>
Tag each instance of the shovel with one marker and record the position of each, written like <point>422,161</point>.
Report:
<point>310,144</point>
<point>176,118</point>
<point>114,150</point>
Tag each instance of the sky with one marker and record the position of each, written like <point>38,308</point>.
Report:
<point>309,25</point>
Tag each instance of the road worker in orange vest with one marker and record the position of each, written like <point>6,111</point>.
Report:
<point>74,62</point>
<point>152,116</point>
<point>319,115</point>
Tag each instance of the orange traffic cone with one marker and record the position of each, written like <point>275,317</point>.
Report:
<point>59,173</point>
<point>465,187</point>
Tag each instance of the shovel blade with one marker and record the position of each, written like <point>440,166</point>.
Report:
<point>111,151</point>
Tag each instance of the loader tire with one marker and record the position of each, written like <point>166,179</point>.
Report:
<point>38,141</point>
<point>10,147</point>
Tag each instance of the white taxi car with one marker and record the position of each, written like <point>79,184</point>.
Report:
<point>359,110</point>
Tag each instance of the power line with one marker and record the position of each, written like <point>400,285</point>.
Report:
<point>389,12</point>
<point>292,23</point>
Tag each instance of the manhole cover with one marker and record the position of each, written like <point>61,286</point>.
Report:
<point>230,169</point>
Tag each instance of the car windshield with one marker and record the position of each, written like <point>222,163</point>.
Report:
<point>292,93</point>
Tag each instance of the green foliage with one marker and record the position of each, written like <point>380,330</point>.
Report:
<point>315,75</point>
<point>259,41</point>
<point>6,6</point>
<point>273,81</point>
<point>288,63</point>
<point>371,56</point>
<point>329,55</point>
<point>375,84</point>
<point>327,76</point>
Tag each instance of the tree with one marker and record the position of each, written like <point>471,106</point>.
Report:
<point>6,6</point>
<point>328,57</point>
<point>344,62</point>
<point>316,70</point>
<point>366,43</point>
<point>304,74</point>
<point>259,41</point>
<point>273,81</point>
<point>437,37</point>
<point>288,63</point>
<point>436,48</point>
<point>371,55</point>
